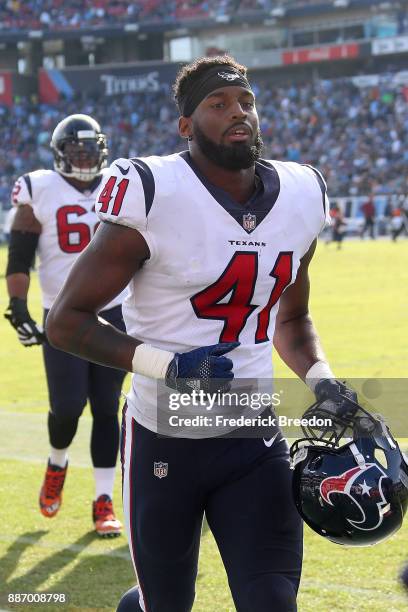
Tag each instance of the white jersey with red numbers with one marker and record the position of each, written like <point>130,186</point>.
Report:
<point>68,222</point>
<point>217,269</point>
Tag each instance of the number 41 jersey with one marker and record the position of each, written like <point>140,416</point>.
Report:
<point>68,222</point>
<point>217,268</point>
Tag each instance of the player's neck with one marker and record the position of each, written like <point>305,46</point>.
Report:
<point>80,185</point>
<point>239,184</point>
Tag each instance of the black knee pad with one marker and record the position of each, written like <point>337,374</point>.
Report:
<point>61,429</point>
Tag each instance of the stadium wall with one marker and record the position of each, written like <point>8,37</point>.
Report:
<point>13,85</point>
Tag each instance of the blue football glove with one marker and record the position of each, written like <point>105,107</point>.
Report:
<point>204,369</point>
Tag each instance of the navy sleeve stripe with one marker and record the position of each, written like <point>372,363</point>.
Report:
<point>146,176</point>
<point>321,184</point>
<point>27,179</point>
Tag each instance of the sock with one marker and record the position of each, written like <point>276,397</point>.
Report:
<point>104,479</point>
<point>59,456</point>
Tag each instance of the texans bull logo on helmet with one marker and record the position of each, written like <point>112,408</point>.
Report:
<point>346,484</point>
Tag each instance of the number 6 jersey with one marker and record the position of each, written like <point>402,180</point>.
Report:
<point>68,222</point>
<point>217,268</point>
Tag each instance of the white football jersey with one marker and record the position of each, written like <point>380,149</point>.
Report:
<point>68,221</point>
<point>217,269</point>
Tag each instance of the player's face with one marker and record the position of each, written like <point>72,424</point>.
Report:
<point>83,155</point>
<point>225,126</point>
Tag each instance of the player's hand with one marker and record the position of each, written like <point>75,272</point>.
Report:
<point>339,405</point>
<point>204,369</point>
<point>339,399</point>
<point>29,333</point>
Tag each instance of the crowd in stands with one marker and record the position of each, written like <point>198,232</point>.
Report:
<point>58,14</point>
<point>356,137</point>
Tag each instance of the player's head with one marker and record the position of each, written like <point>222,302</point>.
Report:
<point>79,147</point>
<point>217,111</point>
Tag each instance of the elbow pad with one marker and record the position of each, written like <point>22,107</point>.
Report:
<point>21,252</point>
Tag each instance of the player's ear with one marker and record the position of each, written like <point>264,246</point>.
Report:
<point>185,127</point>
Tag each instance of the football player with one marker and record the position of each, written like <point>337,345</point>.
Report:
<point>55,217</point>
<point>216,244</point>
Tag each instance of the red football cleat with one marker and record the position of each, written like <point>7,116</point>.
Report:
<point>51,490</point>
<point>106,523</point>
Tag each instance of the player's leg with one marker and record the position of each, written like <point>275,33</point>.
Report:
<point>163,508</point>
<point>105,386</point>
<point>67,389</point>
<point>131,601</point>
<point>258,531</point>
<point>371,228</point>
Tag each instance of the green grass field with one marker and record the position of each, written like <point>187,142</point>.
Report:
<point>360,307</point>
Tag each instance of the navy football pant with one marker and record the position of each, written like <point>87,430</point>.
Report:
<point>244,489</point>
<point>71,383</point>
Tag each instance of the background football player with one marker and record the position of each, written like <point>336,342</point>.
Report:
<point>55,217</point>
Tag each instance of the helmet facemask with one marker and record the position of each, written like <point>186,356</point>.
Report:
<point>339,424</point>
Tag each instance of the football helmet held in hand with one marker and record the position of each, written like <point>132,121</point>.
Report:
<point>356,493</point>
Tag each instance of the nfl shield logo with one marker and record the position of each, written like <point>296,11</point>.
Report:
<point>249,222</point>
<point>160,469</point>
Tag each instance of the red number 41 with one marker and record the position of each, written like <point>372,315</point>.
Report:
<point>106,195</point>
<point>238,279</point>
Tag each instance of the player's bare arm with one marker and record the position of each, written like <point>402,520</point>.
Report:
<point>295,338</point>
<point>298,344</point>
<point>99,274</point>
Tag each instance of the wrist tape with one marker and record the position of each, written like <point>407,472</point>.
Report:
<point>319,370</point>
<point>150,361</point>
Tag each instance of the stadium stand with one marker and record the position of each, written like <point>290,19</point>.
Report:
<point>354,135</point>
<point>55,14</point>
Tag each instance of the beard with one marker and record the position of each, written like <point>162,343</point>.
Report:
<point>237,156</point>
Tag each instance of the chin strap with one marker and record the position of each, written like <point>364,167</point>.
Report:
<point>357,455</point>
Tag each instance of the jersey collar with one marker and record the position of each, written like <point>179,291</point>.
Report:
<point>261,202</point>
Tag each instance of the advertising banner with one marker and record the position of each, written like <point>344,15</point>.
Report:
<point>321,54</point>
<point>106,80</point>
<point>386,46</point>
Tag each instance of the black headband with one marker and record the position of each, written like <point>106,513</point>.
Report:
<point>214,78</point>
